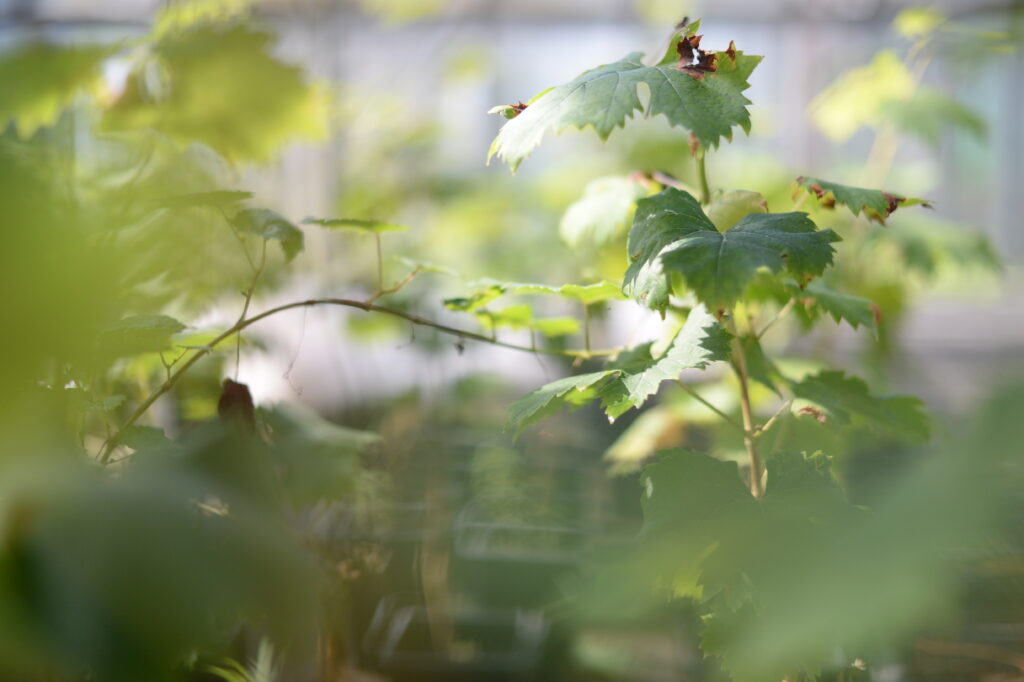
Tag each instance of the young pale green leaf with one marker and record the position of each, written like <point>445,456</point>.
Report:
<point>876,204</point>
<point>487,290</point>
<point>374,226</point>
<point>857,98</point>
<point>930,113</point>
<point>700,342</point>
<point>708,104</point>
<point>847,401</point>
<point>269,225</point>
<point>475,301</point>
<point>223,87</point>
<point>40,81</point>
<point>856,311</point>
<point>734,205</point>
<point>550,398</point>
<point>671,234</point>
<point>602,213</point>
<point>426,266</point>
<point>521,317</point>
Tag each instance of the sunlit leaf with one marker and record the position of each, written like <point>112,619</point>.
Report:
<point>223,87</point>
<point>602,213</point>
<point>41,81</point>
<point>708,104</point>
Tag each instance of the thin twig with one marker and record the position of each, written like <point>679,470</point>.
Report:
<point>702,400</point>
<point>397,286</point>
<point>248,300</point>
<point>702,177</point>
<point>380,263</point>
<point>761,430</point>
<point>783,311</point>
<point>167,385</point>
<point>586,326</point>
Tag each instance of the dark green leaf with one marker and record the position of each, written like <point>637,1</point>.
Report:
<point>854,310</point>
<point>876,204</point>
<point>846,401</point>
<point>672,234</point>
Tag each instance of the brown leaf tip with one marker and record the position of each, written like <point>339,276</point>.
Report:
<point>876,312</point>
<point>731,50</point>
<point>694,61</point>
<point>818,415</point>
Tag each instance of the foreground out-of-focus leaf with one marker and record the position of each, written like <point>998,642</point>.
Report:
<point>223,87</point>
<point>40,81</point>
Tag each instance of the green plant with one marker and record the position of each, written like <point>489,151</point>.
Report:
<point>147,227</point>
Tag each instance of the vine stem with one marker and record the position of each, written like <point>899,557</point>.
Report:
<point>783,311</point>
<point>749,431</point>
<point>703,401</point>
<point>380,263</point>
<point>108,446</point>
<point>702,177</point>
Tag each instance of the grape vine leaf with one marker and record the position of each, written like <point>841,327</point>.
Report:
<point>847,401</point>
<point>856,311</point>
<point>930,113</point>
<point>632,378</point>
<point>876,204</point>
<point>710,105</point>
<point>700,342</point>
<point>672,234</point>
<point>732,206</point>
<point>486,290</point>
<point>551,397</point>
<point>267,224</point>
<point>521,317</point>
<point>602,213</point>
<point>374,226</point>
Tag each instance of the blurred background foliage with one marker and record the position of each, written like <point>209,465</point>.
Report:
<point>156,165</point>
